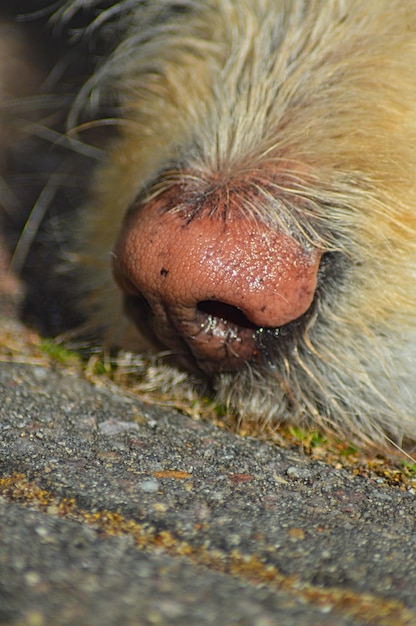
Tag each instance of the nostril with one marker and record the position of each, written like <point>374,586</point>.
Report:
<point>225,312</point>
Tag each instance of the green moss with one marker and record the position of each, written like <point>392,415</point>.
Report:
<point>57,352</point>
<point>308,438</point>
<point>410,466</point>
<point>349,450</point>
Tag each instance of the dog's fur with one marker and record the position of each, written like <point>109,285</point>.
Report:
<point>327,89</point>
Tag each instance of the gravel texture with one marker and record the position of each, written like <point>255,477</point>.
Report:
<point>117,512</point>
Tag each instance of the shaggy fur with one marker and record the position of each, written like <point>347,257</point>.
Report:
<point>325,90</point>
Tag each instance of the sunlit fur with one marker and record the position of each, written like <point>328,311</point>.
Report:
<point>325,92</point>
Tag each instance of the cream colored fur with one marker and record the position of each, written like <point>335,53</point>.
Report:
<point>325,90</point>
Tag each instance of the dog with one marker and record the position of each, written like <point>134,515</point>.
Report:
<point>251,207</point>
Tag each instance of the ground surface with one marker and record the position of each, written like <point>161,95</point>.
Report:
<point>113,511</point>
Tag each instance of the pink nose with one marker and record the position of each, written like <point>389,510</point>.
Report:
<point>212,282</point>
